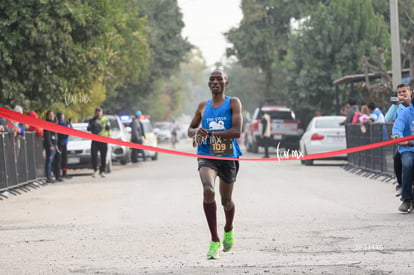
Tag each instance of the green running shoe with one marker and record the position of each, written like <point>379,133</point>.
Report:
<point>213,251</point>
<point>228,241</point>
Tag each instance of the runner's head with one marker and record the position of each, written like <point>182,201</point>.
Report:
<point>218,81</point>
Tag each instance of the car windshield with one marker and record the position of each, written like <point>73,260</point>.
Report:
<point>75,138</point>
<point>328,123</point>
<point>114,124</point>
<point>280,115</point>
<point>147,126</point>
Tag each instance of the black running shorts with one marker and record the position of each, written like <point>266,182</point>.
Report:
<point>227,170</point>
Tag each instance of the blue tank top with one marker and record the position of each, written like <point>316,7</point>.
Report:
<point>218,119</point>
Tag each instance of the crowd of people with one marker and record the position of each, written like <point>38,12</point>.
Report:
<point>368,113</point>
<point>401,114</point>
<point>54,144</point>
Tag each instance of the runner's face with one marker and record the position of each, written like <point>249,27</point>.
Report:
<point>217,83</point>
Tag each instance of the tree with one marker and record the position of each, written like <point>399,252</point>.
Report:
<point>55,50</point>
<point>168,49</point>
<point>332,45</point>
<point>261,40</point>
<point>247,84</point>
<point>406,22</point>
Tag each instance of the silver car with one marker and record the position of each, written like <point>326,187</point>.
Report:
<point>163,131</point>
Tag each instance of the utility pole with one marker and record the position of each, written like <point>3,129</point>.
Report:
<point>395,44</point>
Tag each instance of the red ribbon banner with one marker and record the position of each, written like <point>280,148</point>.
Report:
<point>291,155</point>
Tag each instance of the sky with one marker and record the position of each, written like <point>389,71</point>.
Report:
<point>206,21</point>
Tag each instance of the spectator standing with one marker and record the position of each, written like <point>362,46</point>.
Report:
<point>137,136</point>
<point>11,124</point>
<point>265,132</point>
<point>364,114</point>
<point>174,129</point>
<point>375,114</point>
<point>99,125</point>
<point>403,127</point>
<point>50,145</point>
<point>63,140</point>
<point>404,95</point>
<point>19,126</point>
<point>216,124</point>
<point>144,137</point>
<point>4,127</point>
<point>39,131</point>
<point>344,109</point>
<point>352,108</point>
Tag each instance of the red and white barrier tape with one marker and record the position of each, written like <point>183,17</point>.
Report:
<point>294,155</point>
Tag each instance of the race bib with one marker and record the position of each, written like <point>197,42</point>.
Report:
<point>221,146</point>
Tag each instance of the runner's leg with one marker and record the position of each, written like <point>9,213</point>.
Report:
<point>208,176</point>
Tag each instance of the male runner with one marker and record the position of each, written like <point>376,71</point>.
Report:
<point>214,128</point>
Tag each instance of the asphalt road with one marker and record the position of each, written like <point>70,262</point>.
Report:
<point>148,219</point>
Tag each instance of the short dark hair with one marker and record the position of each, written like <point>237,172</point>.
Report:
<point>351,101</point>
<point>401,85</point>
<point>222,73</point>
<point>59,115</point>
<point>371,106</point>
<point>98,109</point>
<point>404,85</point>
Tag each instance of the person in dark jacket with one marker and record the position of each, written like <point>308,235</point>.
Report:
<point>62,146</point>
<point>50,145</point>
<point>137,136</point>
<point>352,108</point>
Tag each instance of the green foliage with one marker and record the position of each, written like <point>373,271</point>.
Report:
<point>332,45</point>
<point>42,58</point>
<point>406,26</point>
<point>68,53</point>
<point>167,49</point>
<point>262,39</point>
<point>128,47</point>
<point>405,11</point>
<point>247,84</point>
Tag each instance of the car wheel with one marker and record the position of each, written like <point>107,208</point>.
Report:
<point>307,162</point>
<point>155,157</point>
<point>125,159</point>
<point>248,147</point>
<point>109,167</point>
<point>255,147</point>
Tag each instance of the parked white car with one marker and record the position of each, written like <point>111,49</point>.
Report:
<point>79,151</point>
<point>119,131</point>
<point>150,139</point>
<point>323,134</point>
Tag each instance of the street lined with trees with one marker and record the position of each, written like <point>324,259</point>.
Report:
<point>130,54</point>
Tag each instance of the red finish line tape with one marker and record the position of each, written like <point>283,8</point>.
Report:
<point>293,155</point>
